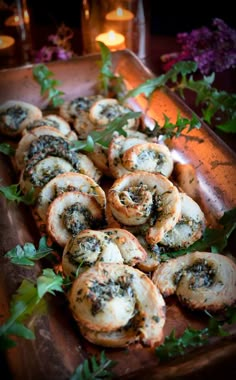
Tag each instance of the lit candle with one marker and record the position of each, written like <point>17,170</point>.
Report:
<point>16,21</point>
<point>6,44</point>
<point>113,40</point>
<point>120,14</point>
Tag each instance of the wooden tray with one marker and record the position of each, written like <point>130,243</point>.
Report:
<point>58,347</point>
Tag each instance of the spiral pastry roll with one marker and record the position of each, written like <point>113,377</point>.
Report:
<point>53,121</point>
<point>115,305</point>
<point>149,201</point>
<point>72,109</point>
<point>26,140</point>
<point>189,228</point>
<point>201,280</point>
<point>131,154</point>
<point>70,213</point>
<point>105,110</point>
<point>15,115</point>
<point>109,245</point>
<point>64,183</point>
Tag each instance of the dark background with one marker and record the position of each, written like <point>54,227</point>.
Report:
<point>165,17</point>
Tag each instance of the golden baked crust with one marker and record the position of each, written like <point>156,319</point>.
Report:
<point>201,280</point>
<point>15,115</point>
<point>109,245</point>
<point>131,154</point>
<point>115,304</point>
<point>68,182</point>
<point>72,109</point>
<point>144,200</point>
<point>70,213</point>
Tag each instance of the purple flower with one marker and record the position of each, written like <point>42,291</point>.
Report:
<point>214,50</point>
<point>44,54</point>
<point>63,54</point>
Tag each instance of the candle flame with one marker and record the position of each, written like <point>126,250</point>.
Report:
<point>111,35</point>
<point>16,19</point>
<point>26,17</point>
<point>119,12</point>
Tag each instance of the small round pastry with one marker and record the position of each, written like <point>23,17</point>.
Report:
<point>149,201</point>
<point>39,174</point>
<point>27,139</point>
<point>99,156</point>
<point>71,109</point>
<point>109,245</point>
<point>70,213</point>
<point>201,280</point>
<point>15,115</point>
<point>115,305</point>
<point>53,121</point>
<point>68,182</point>
<point>131,154</point>
<point>189,228</point>
<point>105,110</point>
<point>47,145</point>
<point>83,125</point>
<point>153,253</point>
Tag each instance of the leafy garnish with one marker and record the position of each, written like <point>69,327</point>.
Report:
<point>27,301</point>
<point>28,254</point>
<point>170,130</point>
<point>212,101</point>
<point>7,149</point>
<point>14,194</point>
<point>215,239</point>
<point>104,136</point>
<point>192,338</point>
<point>48,85</point>
<point>94,369</point>
<point>107,78</point>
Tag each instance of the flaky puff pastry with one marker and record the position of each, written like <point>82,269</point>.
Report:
<point>112,245</point>
<point>129,154</point>
<point>115,305</point>
<point>144,199</point>
<point>201,280</point>
<point>70,213</point>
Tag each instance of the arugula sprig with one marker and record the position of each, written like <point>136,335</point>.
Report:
<point>14,194</point>
<point>191,338</point>
<point>180,78</point>
<point>94,369</point>
<point>104,136</point>
<point>28,254</point>
<point>28,301</point>
<point>107,79</point>
<point>7,149</point>
<point>170,130</point>
<point>215,239</point>
<point>48,84</point>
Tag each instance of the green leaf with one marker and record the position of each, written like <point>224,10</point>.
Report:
<point>29,254</point>
<point>49,282</point>
<point>13,193</point>
<point>7,149</point>
<point>48,85</point>
<point>94,369</point>
<point>228,127</point>
<point>104,136</point>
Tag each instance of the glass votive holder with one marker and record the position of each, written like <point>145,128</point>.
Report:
<point>119,24</point>
<point>16,32</point>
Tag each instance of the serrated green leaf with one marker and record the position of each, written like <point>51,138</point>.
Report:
<point>49,282</point>
<point>228,127</point>
<point>29,254</point>
<point>94,369</point>
<point>13,193</point>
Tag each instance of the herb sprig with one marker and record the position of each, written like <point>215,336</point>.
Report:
<point>28,301</point>
<point>28,254</point>
<point>48,85</point>
<point>191,338</point>
<point>94,369</point>
<point>14,194</point>
<point>104,136</point>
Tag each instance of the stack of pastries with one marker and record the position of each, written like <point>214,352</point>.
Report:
<point>112,239</point>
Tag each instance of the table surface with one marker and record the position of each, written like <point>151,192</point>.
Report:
<point>157,45</point>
